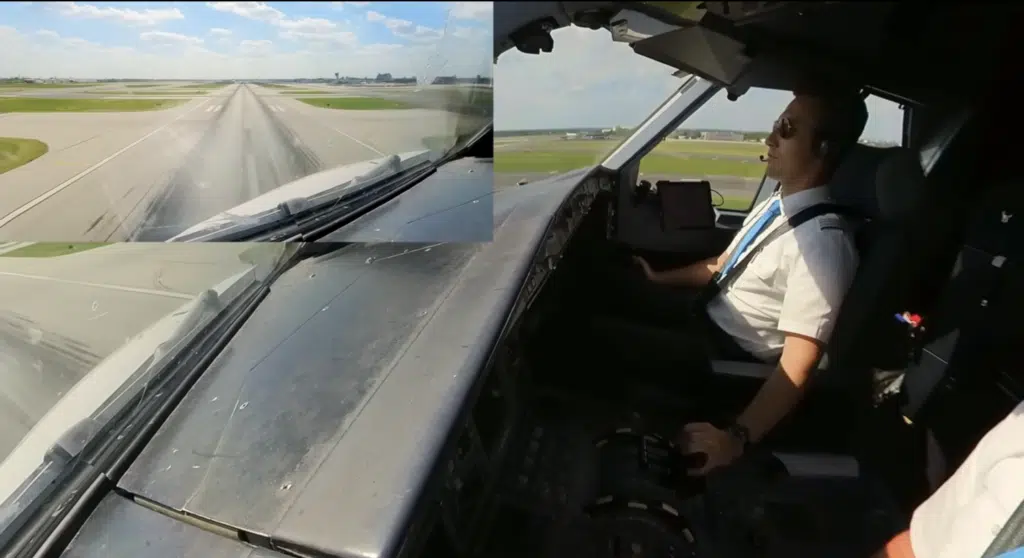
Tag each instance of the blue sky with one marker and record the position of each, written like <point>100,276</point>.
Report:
<point>243,39</point>
<point>589,81</point>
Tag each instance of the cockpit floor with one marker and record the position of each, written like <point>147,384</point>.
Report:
<point>553,475</point>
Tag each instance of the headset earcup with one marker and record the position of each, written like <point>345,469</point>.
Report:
<point>823,148</point>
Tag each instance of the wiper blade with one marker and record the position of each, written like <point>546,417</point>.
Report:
<point>283,220</point>
<point>306,220</point>
<point>354,206</point>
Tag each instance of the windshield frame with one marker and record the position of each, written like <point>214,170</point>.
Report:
<point>680,105</point>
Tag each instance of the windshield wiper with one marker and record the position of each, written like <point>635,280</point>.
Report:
<point>351,207</point>
<point>46,524</point>
<point>318,222</point>
<point>292,221</point>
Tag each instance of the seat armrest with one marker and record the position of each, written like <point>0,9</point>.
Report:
<point>819,465</point>
<point>742,369</point>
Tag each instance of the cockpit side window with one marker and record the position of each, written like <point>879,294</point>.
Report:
<point>722,143</point>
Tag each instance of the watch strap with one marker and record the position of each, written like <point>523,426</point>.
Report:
<point>740,432</point>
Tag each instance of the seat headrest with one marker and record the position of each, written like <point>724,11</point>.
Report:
<point>879,182</point>
<point>899,183</point>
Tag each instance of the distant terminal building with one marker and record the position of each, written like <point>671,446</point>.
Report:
<point>597,135</point>
<point>721,136</point>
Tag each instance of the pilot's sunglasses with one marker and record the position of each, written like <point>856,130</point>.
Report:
<point>783,128</point>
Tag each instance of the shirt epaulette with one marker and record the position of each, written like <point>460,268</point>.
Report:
<point>832,222</point>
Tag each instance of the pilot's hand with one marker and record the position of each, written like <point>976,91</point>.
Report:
<point>720,447</point>
<point>646,267</point>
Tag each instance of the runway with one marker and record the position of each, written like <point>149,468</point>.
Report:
<point>149,175</point>
<point>60,316</point>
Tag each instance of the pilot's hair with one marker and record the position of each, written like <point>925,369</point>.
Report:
<point>842,119</point>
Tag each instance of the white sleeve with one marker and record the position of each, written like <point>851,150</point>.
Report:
<point>963,516</point>
<point>820,273</point>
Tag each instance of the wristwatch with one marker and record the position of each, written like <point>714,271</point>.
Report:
<point>740,433</point>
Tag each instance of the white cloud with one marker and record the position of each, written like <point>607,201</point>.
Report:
<point>168,38</point>
<point>308,25</point>
<point>316,31</point>
<point>340,38</point>
<point>341,5</point>
<point>252,10</point>
<point>48,34</point>
<point>318,55</point>
<point>220,31</point>
<point>405,29</point>
<point>261,47</point>
<point>481,11</point>
<point>588,80</point>
<point>122,15</point>
<point>470,33</point>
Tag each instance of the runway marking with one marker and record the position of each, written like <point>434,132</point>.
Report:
<point>58,188</point>
<point>366,145</point>
<point>121,288</point>
<point>276,108</point>
<point>250,168</point>
<point>215,108</point>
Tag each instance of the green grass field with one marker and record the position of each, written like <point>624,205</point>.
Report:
<point>692,158</point>
<point>680,157</point>
<point>304,92</point>
<point>356,103</point>
<point>735,203</point>
<point>13,85</point>
<point>50,249</point>
<point>39,104</point>
<point>686,147</point>
<point>15,152</point>
<point>654,163</point>
<point>274,85</point>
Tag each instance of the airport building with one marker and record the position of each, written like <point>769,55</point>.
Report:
<point>721,136</point>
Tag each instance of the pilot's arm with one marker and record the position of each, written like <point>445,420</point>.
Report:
<point>821,271</point>
<point>698,274</point>
<point>964,515</point>
<point>821,267</point>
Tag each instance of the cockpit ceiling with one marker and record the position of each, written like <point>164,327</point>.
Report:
<point>907,49</point>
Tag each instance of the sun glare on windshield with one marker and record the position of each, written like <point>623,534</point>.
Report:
<point>137,121</point>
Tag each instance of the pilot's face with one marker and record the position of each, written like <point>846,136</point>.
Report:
<point>791,154</point>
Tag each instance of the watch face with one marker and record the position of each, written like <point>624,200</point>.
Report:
<point>739,433</point>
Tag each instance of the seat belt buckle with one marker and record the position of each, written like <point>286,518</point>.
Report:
<point>705,295</point>
<point>915,333</point>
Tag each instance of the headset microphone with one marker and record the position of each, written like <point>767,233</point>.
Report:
<point>763,158</point>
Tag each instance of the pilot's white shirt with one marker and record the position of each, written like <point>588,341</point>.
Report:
<point>963,516</point>
<point>795,284</point>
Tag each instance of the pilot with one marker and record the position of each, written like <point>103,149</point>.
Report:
<point>964,515</point>
<point>782,306</point>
